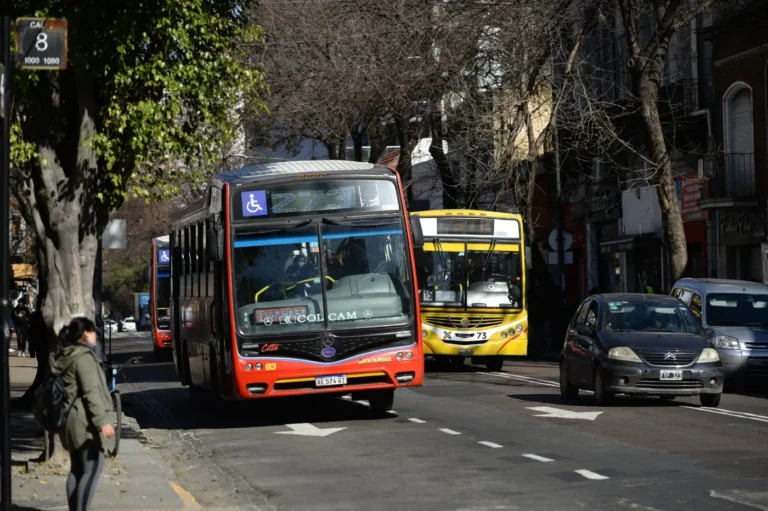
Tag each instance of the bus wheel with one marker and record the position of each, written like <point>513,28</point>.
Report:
<point>381,401</point>
<point>198,395</point>
<point>494,364</point>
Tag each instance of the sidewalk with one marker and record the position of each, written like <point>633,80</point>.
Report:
<point>137,479</point>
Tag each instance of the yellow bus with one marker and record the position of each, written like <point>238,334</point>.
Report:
<point>471,276</point>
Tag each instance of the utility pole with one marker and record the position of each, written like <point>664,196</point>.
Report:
<point>5,277</point>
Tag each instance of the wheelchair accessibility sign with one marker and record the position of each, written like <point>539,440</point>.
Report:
<point>254,203</point>
<point>164,256</point>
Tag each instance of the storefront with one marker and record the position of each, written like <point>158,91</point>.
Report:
<point>740,234</point>
<point>603,216</point>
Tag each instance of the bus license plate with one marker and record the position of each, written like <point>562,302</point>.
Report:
<point>330,381</point>
<point>671,375</point>
<point>466,352</point>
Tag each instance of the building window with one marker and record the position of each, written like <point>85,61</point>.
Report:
<point>739,140</point>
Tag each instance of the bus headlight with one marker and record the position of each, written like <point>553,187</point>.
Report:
<point>511,331</point>
<point>409,355</point>
<point>248,367</point>
<point>424,334</point>
<point>399,356</point>
<point>503,335</point>
<point>258,367</point>
<point>519,328</point>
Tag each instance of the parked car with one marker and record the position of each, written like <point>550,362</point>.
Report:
<point>110,325</point>
<point>649,345</point>
<point>128,324</point>
<point>734,314</point>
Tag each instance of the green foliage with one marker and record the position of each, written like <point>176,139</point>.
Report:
<point>167,78</point>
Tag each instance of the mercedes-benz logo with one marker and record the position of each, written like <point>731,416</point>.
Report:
<point>368,314</point>
<point>464,323</point>
<point>670,356</point>
<point>267,321</point>
<point>327,342</point>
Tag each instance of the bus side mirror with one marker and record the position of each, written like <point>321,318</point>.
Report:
<point>214,244</point>
<point>418,234</point>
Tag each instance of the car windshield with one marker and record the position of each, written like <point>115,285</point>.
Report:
<point>469,275</point>
<point>732,309</point>
<point>649,316</point>
<point>364,280</point>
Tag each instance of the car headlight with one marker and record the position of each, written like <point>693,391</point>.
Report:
<point>708,355</point>
<point>726,342</point>
<point>623,353</point>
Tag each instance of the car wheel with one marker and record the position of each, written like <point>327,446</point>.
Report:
<point>602,396</point>
<point>381,401</point>
<point>710,400</point>
<point>568,391</point>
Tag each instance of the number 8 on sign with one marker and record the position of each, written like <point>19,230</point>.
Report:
<point>41,41</point>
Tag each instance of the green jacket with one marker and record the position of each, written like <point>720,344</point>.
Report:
<point>86,384</point>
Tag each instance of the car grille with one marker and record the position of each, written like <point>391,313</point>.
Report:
<point>757,366</point>
<point>473,322</point>
<point>756,346</point>
<point>648,383</point>
<point>669,358</point>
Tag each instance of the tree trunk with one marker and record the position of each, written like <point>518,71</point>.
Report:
<point>407,139</point>
<point>57,197</point>
<point>441,160</point>
<point>378,137</point>
<point>663,178</point>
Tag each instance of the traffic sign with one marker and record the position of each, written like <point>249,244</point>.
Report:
<point>41,43</point>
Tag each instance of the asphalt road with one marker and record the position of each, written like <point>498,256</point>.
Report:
<point>467,440</point>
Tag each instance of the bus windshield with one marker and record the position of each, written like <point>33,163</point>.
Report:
<point>281,287</point>
<point>474,275</point>
<point>162,299</point>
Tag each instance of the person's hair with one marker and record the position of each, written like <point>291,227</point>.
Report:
<point>72,333</point>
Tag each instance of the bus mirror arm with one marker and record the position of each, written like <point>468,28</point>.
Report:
<point>418,234</point>
<point>214,243</point>
<point>212,318</point>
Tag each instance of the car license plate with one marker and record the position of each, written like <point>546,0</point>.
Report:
<point>465,352</point>
<point>330,381</point>
<point>671,375</point>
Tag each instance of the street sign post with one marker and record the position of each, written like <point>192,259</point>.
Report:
<point>41,43</point>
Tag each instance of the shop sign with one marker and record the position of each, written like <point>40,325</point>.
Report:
<point>689,192</point>
<point>612,248</point>
<point>741,228</point>
<point>604,202</point>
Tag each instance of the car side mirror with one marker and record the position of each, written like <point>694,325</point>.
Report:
<point>418,234</point>
<point>709,333</point>
<point>585,330</point>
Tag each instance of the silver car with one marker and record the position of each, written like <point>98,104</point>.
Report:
<point>734,314</point>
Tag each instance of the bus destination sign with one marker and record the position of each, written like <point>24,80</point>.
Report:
<point>474,226</point>
<point>41,43</point>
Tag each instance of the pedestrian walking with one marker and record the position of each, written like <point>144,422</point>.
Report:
<point>89,427</point>
<point>21,323</point>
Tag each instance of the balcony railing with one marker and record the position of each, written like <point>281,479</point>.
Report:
<point>730,175</point>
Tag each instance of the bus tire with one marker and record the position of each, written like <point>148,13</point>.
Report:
<point>197,395</point>
<point>494,364</point>
<point>381,401</point>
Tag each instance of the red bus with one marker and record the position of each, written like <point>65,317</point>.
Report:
<point>297,278</point>
<point>160,295</point>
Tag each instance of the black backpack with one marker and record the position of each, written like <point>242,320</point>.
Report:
<point>49,407</point>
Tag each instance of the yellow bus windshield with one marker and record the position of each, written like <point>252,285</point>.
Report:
<point>470,274</point>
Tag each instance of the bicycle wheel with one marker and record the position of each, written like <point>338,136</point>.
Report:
<point>117,407</point>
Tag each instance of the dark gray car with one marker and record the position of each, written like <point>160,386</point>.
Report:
<point>636,344</point>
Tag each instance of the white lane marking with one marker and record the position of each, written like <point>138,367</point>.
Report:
<point>490,444</point>
<point>362,402</point>
<point>560,413</point>
<point>392,412</point>
<point>546,383</point>
<point>306,429</point>
<point>449,431</point>
<point>347,397</point>
<point>750,499</point>
<point>536,457</point>
<point>417,421</point>
<point>594,476</point>
<point>729,413</point>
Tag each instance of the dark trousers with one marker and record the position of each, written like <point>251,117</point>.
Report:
<point>87,464</point>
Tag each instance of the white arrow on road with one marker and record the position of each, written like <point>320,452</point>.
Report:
<point>307,429</point>
<point>559,413</point>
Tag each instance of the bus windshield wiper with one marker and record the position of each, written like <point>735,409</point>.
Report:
<point>275,230</point>
<point>357,223</point>
<point>439,247</point>
<point>488,255</point>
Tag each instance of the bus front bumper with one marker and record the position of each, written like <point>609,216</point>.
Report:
<point>283,377</point>
<point>511,345</point>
